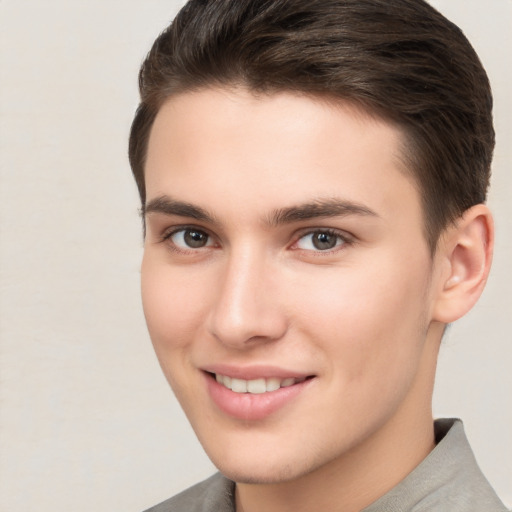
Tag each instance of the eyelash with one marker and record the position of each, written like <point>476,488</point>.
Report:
<point>344,238</point>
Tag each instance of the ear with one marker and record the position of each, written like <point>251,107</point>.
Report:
<point>465,255</point>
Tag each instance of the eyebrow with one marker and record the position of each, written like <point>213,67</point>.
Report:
<point>319,208</point>
<point>169,206</point>
<point>332,207</point>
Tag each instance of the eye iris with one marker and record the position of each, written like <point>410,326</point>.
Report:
<point>195,239</point>
<point>323,241</point>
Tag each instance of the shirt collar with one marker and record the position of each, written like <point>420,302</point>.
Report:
<point>449,475</point>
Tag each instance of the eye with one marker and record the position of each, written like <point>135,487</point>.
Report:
<point>321,240</point>
<point>190,238</point>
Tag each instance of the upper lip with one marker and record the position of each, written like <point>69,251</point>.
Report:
<point>254,371</point>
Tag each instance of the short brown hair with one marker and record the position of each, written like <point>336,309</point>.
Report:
<point>398,59</point>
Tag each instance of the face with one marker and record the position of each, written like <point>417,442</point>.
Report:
<point>286,281</point>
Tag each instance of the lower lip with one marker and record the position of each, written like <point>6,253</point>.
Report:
<point>249,406</point>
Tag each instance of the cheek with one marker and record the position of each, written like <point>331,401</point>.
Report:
<point>372,320</point>
<point>370,334</point>
<point>173,306</point>
<point>173,303</point>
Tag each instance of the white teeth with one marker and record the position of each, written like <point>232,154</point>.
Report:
<point>239,385</point>
<point>273,384</point>
<point>256,386</point>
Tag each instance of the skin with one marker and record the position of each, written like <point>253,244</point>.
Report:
<point>364,319</point>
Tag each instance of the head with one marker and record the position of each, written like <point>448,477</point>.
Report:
<point>311,175</point>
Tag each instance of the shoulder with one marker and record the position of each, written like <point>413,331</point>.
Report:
<point>212,495</point>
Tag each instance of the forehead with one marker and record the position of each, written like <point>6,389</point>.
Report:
<point>234,148</point>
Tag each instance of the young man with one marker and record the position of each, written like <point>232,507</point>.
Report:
<point>313,176</point>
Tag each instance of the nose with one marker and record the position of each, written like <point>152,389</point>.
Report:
<point>247,309</point>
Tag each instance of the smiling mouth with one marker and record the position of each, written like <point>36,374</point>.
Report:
<point>256,386</point>
<point>258,395</point>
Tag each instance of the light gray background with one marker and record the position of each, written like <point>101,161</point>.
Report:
<point>87,422</point>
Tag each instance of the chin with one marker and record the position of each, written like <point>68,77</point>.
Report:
<point>257,468</point>
<point>261,475</point>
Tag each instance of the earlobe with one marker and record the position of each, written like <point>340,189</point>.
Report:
<point>466,252</point>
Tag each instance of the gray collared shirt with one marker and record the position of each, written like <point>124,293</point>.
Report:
<point>448,480</point>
